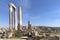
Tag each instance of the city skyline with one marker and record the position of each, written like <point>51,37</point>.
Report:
<point>39,12</point>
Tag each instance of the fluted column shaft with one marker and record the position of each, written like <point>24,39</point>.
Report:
<point>15,27</point>
<point>19,19</point>
<point>10,18</point>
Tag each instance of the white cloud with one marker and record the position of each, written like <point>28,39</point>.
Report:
<point>52,12</point>
<point>26,3</point>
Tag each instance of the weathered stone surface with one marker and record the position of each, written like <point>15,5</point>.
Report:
<point>19,18</point>
<point>53,38</point>
<point>10,17</point>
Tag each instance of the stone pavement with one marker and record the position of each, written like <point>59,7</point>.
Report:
<point>22,38</point>
<point>12,39</point>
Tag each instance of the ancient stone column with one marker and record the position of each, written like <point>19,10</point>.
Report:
<point>19,18</point>
<point>15,27</point>
<point>10,18</point>
<point>29,25</point>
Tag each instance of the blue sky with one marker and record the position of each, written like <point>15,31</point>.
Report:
<point>39,12</point>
